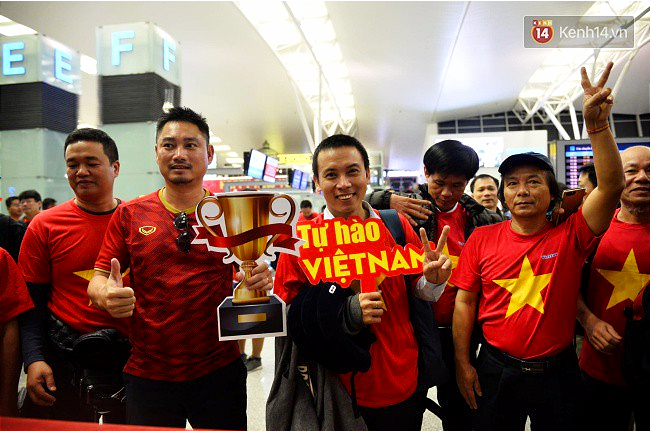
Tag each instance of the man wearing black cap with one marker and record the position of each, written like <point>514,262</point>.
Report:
<point>527,274</point>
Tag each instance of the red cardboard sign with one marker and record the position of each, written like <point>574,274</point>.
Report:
<point>342,250</point>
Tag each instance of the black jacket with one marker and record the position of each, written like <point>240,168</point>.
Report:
<point>478,215</point>
<point>11,235</point>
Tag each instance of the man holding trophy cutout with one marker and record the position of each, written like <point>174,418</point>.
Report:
<point>178,368</point>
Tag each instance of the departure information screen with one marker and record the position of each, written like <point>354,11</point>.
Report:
<point>575,156</point>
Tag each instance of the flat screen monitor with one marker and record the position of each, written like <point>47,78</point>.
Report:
<point>572,155</point>
<point>270,169</point>
<point>256,164</point>
<point>295,179</point>
<point>304,181</point>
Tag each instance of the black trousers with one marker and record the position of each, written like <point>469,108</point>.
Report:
<point>405,415</point>
<point>214,401</point>
<point>553,399</point>
<point>610,407</point>
<point>456,414</point>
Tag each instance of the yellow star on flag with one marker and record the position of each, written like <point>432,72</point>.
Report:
<point>526,289</point>
<point>628,282</point>
<point>453,258</point>
<point>88,274</point>
<point>85,274</point>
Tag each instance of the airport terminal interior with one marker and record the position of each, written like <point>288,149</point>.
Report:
<point>273,79</point>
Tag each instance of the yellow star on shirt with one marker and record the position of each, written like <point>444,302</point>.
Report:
<point>88,274</point>
<point>453,258</point>
<point>526,289</point>
<point>628,282</point>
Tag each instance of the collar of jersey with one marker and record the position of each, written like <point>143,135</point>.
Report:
<point>173,209</point>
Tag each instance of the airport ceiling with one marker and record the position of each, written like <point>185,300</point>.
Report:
<point>409,63</point>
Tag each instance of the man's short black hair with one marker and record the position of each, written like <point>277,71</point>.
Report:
<point>10,200</point>
<point>336,141</point>
<point>590,170</point>
<point>305,204</point>
<point>184,114</point>
<point>48,203</point>
<point>94,135</point>
<point>482,176</point>
<point>451,157</point>
<point>30,193</point>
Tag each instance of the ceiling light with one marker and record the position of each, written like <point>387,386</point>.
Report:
<point>214,139</point>
<point>235,160</point>
<point>16,29</point>
<point>221,147</point>
<point>232,154</point>
<point>302,36</point>
<point>88,64</point>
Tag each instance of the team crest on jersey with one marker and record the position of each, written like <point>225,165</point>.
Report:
<point>147,229</point>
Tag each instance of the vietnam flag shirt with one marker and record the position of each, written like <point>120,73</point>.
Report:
<point>14,297</point>
<point>620,270</point>
<point>528,284</point>
<point>60,248</point>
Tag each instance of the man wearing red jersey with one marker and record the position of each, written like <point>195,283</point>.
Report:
<point>526,273</point>
<point>57,258</point>
<point>178,369</point>
<point>387,394</point>
<point>619,271</point>
<point>14,300</point>
<point>448,166</point>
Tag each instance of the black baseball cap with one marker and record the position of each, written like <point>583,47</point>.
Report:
<point>529,158</point>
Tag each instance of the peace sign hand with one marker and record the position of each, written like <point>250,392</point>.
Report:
<point>436,267</point>
<point>598,100</point>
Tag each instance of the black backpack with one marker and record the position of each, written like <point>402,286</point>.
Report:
<point>636,344</point>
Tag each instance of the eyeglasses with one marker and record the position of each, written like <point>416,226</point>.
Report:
<point>184,238</point>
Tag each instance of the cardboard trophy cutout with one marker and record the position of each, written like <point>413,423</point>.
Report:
<point>248,227</point>
<point>354,253</point>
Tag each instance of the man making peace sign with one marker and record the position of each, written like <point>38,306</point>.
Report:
<point>387,394</point>
<point>527,274</point>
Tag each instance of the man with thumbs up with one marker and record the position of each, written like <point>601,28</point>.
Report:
<point>57,258</point>
<point>178,369</point>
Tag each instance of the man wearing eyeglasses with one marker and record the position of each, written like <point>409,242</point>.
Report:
<point>178,369</point>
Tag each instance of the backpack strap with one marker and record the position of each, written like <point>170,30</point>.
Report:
<point>431,368</point>
<point>392,222</point>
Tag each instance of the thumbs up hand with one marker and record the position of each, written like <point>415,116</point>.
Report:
<point>117,300</point>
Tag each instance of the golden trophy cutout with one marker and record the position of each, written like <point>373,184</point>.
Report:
<point>239,224</point>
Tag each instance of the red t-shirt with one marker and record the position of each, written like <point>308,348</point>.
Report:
<point>528,284</point>
<point>392,377</point>
<point>60,248</point>
<point>443,309</point>
<point>174,332</point>
<point>620,270</point>
<point>14,297</point>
